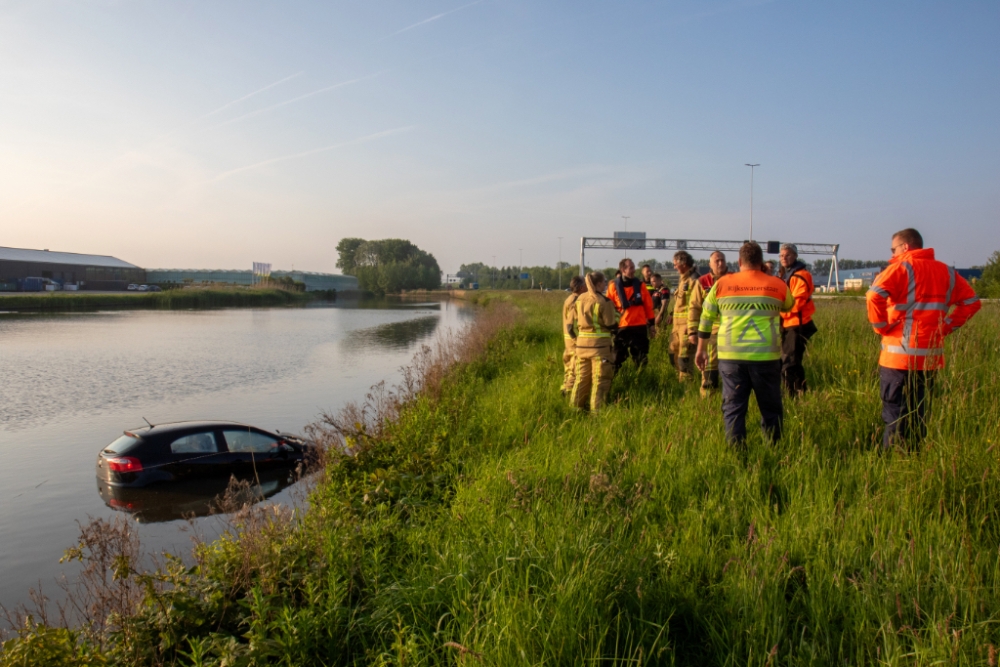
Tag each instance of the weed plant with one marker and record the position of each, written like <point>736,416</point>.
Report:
<point>477,519</point>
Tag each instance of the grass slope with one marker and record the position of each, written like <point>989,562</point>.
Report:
<point>491,524</point>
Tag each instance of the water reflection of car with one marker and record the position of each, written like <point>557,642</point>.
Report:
<point>191,451</point>
<point>182,500</point>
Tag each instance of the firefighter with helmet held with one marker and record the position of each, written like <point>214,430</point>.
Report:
<point>913,304</point>
<point>576,288</point>
<point>595,367</point>
<point>710,374</point>
<point>683,337</point>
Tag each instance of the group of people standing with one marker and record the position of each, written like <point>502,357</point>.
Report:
<point>750,329</point>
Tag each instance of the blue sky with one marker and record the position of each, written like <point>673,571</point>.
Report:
<point>193,134</point>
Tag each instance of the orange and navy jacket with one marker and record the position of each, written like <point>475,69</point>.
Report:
<point>800,282</point>
<point>909,304</point>
<point>631,316</point>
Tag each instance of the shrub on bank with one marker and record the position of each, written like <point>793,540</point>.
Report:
<point>482,521</point>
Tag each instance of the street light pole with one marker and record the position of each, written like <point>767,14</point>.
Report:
<point>559,264</point>
<point>626,217</point>
<point>520,259</point>
<point>751,196</point>
<point>493,273</point>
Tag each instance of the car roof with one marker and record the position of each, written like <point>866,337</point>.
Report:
<point>158,430</point>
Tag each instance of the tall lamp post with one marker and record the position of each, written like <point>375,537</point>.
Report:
<point>559,264</point>
<point>751,196</point>
<point>520,259</point>
<point>625,243</point>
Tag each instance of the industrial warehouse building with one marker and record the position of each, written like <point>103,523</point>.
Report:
<point>23,269</point>
<point>66,270</point>
<point>313,281</point>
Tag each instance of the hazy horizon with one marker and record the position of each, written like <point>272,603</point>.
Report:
<point>211,136</point>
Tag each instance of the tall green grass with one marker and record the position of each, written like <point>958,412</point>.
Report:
<point>490,523</point>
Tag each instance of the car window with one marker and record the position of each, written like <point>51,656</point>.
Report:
<point>196,443</point>
<point>122,444</point>
<point>248,441</point>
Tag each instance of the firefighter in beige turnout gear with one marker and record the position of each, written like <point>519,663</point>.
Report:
<point>576,288</point>
<point>688,298</point>
<point>710,374</point>
<point>595,360</point>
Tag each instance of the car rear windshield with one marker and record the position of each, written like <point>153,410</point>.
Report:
<point>122,444</point>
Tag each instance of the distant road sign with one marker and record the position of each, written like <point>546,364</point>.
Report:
<point>630,240</point>
<point>525,276</point>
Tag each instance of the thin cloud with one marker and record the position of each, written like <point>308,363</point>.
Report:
<point>314,151</point>
<point>433,18</point>
<point>298,99</point>
<point>247,97</point>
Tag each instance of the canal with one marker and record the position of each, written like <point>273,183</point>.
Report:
<point>72,383</point>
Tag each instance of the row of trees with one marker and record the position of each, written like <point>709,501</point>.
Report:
<point>988,285</point>
<point>388,265</point>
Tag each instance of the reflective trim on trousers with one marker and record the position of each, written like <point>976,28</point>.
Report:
<point>914,351</point>
<point>880,325</point>
<point>585,334</point>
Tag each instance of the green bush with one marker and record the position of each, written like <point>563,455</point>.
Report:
<point>988,285</point>
<point>388,266</point>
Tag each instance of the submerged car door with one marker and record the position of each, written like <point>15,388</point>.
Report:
<point>256,452</point>
<point>199,455</point>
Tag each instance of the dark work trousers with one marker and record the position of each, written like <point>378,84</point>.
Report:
<point>739,378</point>
<point>631,342</point>
<point>905,396</point>
<point>793,348</point>
<point>709,380</point>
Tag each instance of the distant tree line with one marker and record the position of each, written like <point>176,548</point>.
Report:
<point>822,266</point>
<point>388,266</point>
<point>988,285</point>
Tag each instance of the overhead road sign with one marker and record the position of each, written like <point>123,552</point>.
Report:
<point>621,242</point>
<point>630,240</point>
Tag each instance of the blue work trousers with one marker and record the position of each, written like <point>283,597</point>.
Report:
<point>739,379</point>
<point>905,398</point>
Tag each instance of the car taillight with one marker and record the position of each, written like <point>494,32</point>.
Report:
<point>124,464</point>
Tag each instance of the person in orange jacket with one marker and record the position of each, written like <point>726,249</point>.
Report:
<point>913,304</point>
<point>631,299</point>
<point>797,326</point>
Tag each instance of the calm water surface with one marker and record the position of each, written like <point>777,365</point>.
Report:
<point>70,384</point>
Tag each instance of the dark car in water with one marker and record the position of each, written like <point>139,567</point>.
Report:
<point>192,451</point>
<point>183,500</point>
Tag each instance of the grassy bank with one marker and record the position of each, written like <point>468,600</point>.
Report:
<point>483,521</point>
<point>180,298</point>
